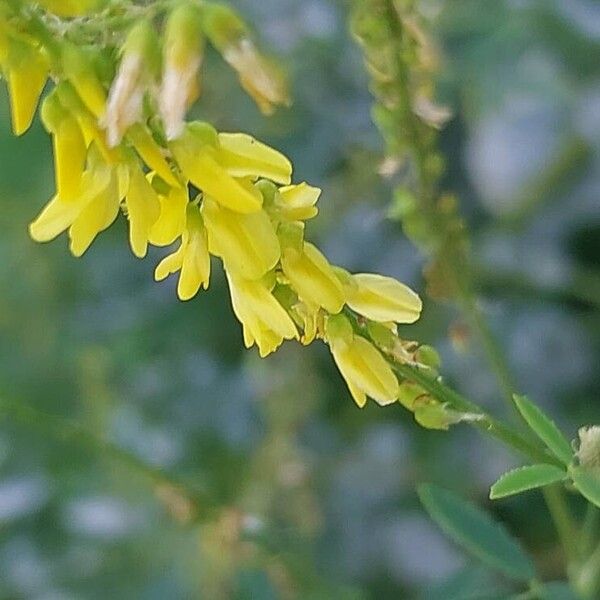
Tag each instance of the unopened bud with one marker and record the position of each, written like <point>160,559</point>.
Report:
<point>139,65</point>
<point>182,58</point>
<point>589,448</point>
<point>259,76</point>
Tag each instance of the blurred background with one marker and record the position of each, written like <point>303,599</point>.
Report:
<point>310,497</point>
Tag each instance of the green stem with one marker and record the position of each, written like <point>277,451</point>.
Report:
<point>587,581</point>
<point>486,423</point>
<point>491,348</point>
<point>66,430</point>
<point>559,511</point>
<point>589,529</point>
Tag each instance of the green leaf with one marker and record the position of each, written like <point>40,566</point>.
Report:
<point>477,532</point>
<point>587,483</point>
<point>526,478</point>
<point>545,429</point>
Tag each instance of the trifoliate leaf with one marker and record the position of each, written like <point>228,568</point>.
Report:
<point>545,429</point>
<point>477,532</point>
<point>526,478</point>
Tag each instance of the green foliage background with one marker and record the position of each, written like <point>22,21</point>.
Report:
<point>324,494</point>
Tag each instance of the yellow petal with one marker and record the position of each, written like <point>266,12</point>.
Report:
<point>311,275</point>
<point>363,367</point>
<point>246,242</point>
<point>69,157</point>
<point>171,221</point>
<point>142,210</point>
<point>266,321</point>
<point>80,70</point>
<point>26,76</point>
<point>170,264</point>
<point>195,269</point>
<point>241,155</point>
<point>151,153</point>
<point>357,394</point>
<point>198,160</point>
<point>383,299</point>
<point>97,215</point>
<point>298,201</point>
<point>72,8</point>
<point>59,214</point>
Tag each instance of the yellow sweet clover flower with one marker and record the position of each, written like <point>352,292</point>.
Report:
<point>382,299</point>
<point>265,322</point>
<point>221,194</point>
<point>143,210</point>
<point>196,152</point>
<point>26,68</point>
<point>313,278</point>
<point>191,259</point>
<point>363,367</point>
<point>69,146</point>
<point>246,243</point>
<point>172,217</point>
<point>79,66</point>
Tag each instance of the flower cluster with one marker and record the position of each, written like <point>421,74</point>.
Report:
<point>121,145</point>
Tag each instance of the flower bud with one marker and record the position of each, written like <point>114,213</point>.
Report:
<point>297,202</point>
<point>259,76</point>
<point>182,58</point>
<point>139,65</point>
<point>588,453</point>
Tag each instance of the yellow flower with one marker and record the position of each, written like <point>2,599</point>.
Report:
<point>151,153</point>
<point>196,152</point>
<point>143,210</point>
<point>243,156</point>
<point>171,221</point>
<point>382,299</point>
<point>182,58</point>
<point>26,74</point>
<point>96,216</point>
<point>311,275</point>
<point>297,202</point>
<point>191,259</point>
<point>80,69</point>
<point>246,242</point>
<point>265,322</point>
<point>88,123</point>
<point>362,366</point>
<point>60,213</point>
<point>69,146</point>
